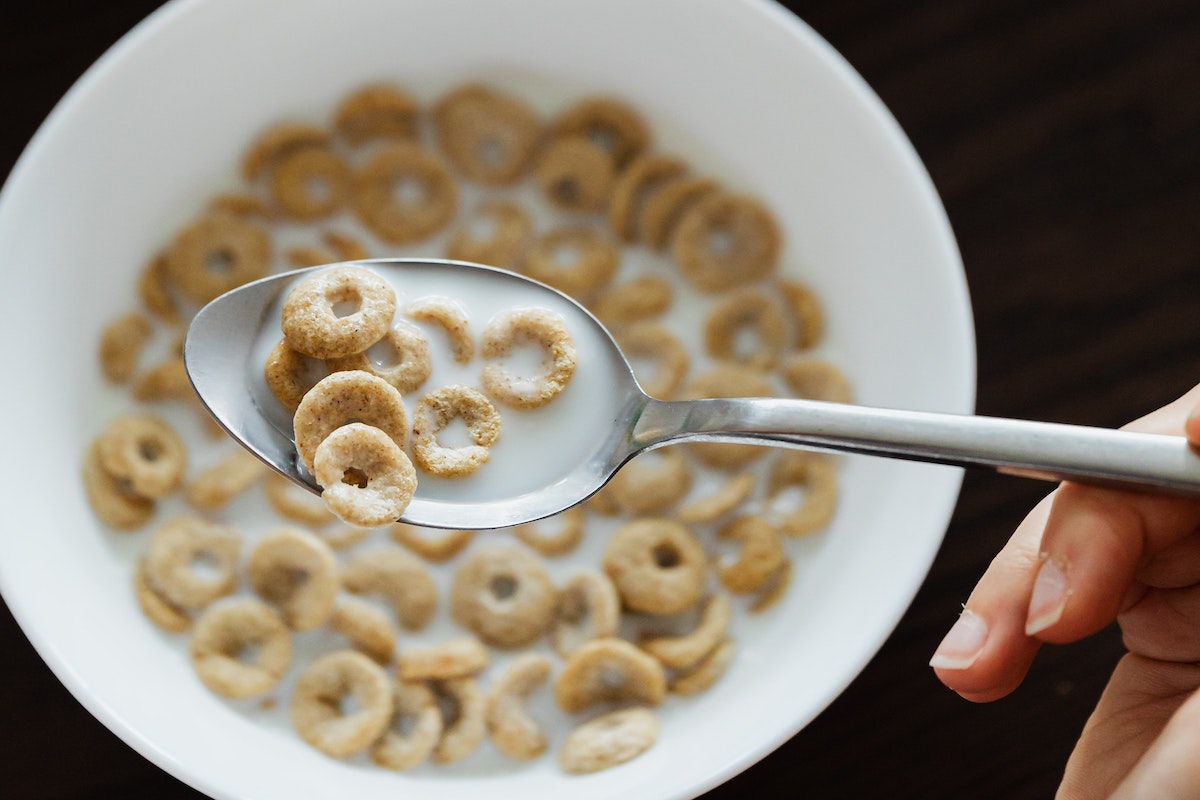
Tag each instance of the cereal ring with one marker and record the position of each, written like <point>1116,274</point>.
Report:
<point>365,627</point>
<point>637,299</point>
<point>296,572</point>
<point>377,111</point>
<point>404,194</point>
<point>509,725</point>
<point>310,184</point>
<point>431,545</point>
<point>602,502</point>
<point>192,562</point>
<point>144,451</point>
<point>368,480</point>
<point>452,318</point>
<point>727,380</point>
<point>657,565</point>
<point>294,502</point>
<point>806,312</point>
<point>216,486</point>
<point>588,608</point>
<point>406,364</point>
<point>121,344</point>
<point>453,658</point>
<point>154,292</point>
<point>726,240</point>
<point>416,711</point>
<point>346,397</point>
<point>464,727</point>
<point>216,253</point>
<point>306,256</point>
<point>760,557</point>
<point>277,142</point>
<point>235,628</point>
<point>489,136</point>
<point>633,185</point>
<point>399,577</point>
<point>608,740</point>
<point>684,652</point>
<point>815,476</point>
<point>575,174</point>
<point>717,504</point>
<point>320,695</point>
<point>495,235</point>
<point>773,588</point>
<point>705,673</point>
<point>504,595</point>
<point>110,497</point>
<point>556,543</point>
<point>437,410</point>
<point>609,671</point>
<point>576,261</point>
<point>158,609</point>
<point>290,374</point>
<point>667,203</point>
<point>511,328</point>
<point>650,340</point>
<point>345,246</point>
<point>241,205</point>
<point>166,380</point>
<point>312,324</point>
<point>747,308</point>
<point>652,482</point>
<point>816,379</point>
<point>608,122</point>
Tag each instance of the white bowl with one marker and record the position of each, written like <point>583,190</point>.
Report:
<point>760,101</point>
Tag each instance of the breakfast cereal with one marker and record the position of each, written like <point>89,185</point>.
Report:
<point>504,595</point>
<point>121,344</point>
<point>450,316</point>
<point>408,365</point>
<point>192,562</point>
<point>318,699</point>
<point>296,573</point>
<point>346,397</point>
<point>143,452</point>
<point>760,555</point>
<point>575,174</point>
<point>633,185</point>
<point>488,135</point>
<point>509,725</point>
<point>377,111</point>
<point>609,671</point>
<point>426,201</point>
<point>587,608</point>
<point>657,565</point>
<point>414,730</point>
<point>365,627</point>
<point>459,657</point>
<point>563,538</point>
<point>435,546</point>
<point>531,325</point>
<point>310,184</point>
<point>464,728</point>
<point>367,479</point>
<point>608,740</point>
<point>312,325</point>
<point>684,652</point>
<point>576,260</point>
<point>228,629</point>
<point>439,408</point>
<point>400,577</point>
<point>496,233</point>
<point>726,240</point>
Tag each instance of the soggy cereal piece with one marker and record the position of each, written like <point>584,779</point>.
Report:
<point>241,205</point>
<point>437,410</point>
<point>121,344</point>
<point>240,648</point>
<point>727,380</point>
<point>297,573</point>
<point>652,482</point>
<point>294,502</point>
<point>413,731</point>
<point>666,204</point>
<point>153,288</point>
<point>496,234</point>
<point>657,565</point>
<point>509,725</point>
<point>773,589</point>
<point>816,379</point>
<point>813,474</point>
<point>747,308</point>
<point>368,480</point>
<point>216,486</point>
<point>760,556</point>
<point>166,380</point>
<point>609,671</point>
<point>406,365</point>
<point>310,184</point>
<point>503,595</point>
<point>488,135</point>
<point>145,452</point>
<point>509,329</point>
<point>636,299</point>
<point>377,111</point>
<point>651,340</point>
<point>806,312</point>
<point>717,504</point>
<point>322,692</point>
<point>312,322</point>
<point>345,246</point>
<point>685,652</point>
<point>587,609</point>
<point>705,673</point>
<point>451,317</point>
<point>342,398</point>
<point>575,174</point>
<point>608,740</point>
<point>726,240</point>
<point>463,728</point>
<point>279,141</point>
<point>459,657</point>
<point>111,498</point>
<point>399,577</point>
<point>158,609</point>
<point>289,374</point>
<point>568,533</point>
<point>365,627</point>
<point>633,185</point>
<point>609,123</point>
<point>575,260</point>
<point>191,562</point>
<point>216,253</point>
<point>432,545</point>
<point>404,194</point>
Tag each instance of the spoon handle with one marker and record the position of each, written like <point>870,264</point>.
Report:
<point>1044,450</point>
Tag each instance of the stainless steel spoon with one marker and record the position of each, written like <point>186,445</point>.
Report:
<point>226,335</point>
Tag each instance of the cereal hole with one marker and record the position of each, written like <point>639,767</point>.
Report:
<point>348,704</point>
<point>207,566</point>
<point>345,308</point>
<point>219,261</point>
<point>384,355</point>
<point>355,477</point>
<point>612,678</point>
<point>566,254</point>
<point>721,243</point>
<point>566,191</point>
<point>318,189</point>
<point>503,587</point>
<point>150,449</point>
<point>788,499</point>
<point>491,151</point>
<point>666,555</point>
<point>745,340</point>
<point>455,434</point>
<point>247,653</point>
<point>410,191</point>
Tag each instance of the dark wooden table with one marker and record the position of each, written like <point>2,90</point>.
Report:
<point>1064,137</point>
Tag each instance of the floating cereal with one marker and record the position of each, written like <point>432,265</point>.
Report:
<point>404,194</point>
<point>609,123</point>
<point>294,502</point>
<point>414,729</point>
<point>277,142</point>
<point>166,380</point>
<point>806,311</point>
<point>510,727</point>
<point>509,329</point>
<point>297,573</point>
<point>609,671</point>
<point>488,135</point>
<point>576,260</point>
<point>398,576</point>
<point>814,475</point>
<point>705,673</point>
<point>235,629</point>
<point>575,174</point>
<point>652,482</point>
<point>657,565</point>
<point>158,609</point>
<point>110,497</point>
<point>431,545</point>
<point>496,235</point>
<point>726,240</point>
<point>587,609</point>
<point>650,340</point>
<point>559,542</point>
<point>452,318</point>
<point>312,324</point>
<point>503,595</point>
<point>289,374</point>
<point>216,253</point>
<point>727,380</point>
<point>310,184</point>
<point>144,452</point>
<point>636,299</point>
<point>365,627</point>
<point>321,693</point>
<point>216,486</point>
<point>463,728</point>
<point>608,740</point>
<point>684,652</point>
<point>667,203</point>
<point>368,480</point>
<point>377,111</point>
<point>633,185</point>
<point>745,308</point>
<point>816,379</point>
<point>453,658</point>
<point>714,505</point>
<point>345,246</point>
<point>342,398</point>
<point>154,292</point>
<point>121,344</point>
<point>305,256</point>
<point>406,366</point>
<point>773,588</point>
<point>192,562</point>
<point>437,410</point>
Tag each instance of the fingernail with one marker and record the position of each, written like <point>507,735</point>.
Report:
<point>963,642</point>
<point>1050,593</point>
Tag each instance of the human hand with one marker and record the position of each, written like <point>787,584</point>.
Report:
<point>1083,557</point>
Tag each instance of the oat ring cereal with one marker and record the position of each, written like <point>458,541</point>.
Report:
<point>588,608</point>
<point>144,452</point>
<point>609,671</point>
<point>377,111</point>
<point>608,740</point>
<point>404,194</point>
<point>653,482</point>
<point>752,308</point>
<point>343,398</point>
<point>436,546</point>
<point>726,240</point>
<point>510,726</point>
<point>110,497</point>
<point>294,502</point>
<point>368,480</point>
<point>121,345</point>
<point>312,324</point>
<point>504,595</point>
<point>574,260</point>
<point>464,728</point>
<point>438,409</point>
<point>365,627</point>
<point>279,141</point>
<point>575,174</point>
<point>816,379</point>
<point>459,657</point>
<point>657,565</point>
<point>216,253</point>
<point>684,652</point>
<point>634,184</point>
<point>228,629</point>
<point>653,341</point>
<point>489,136</point>
<point>451,317</point>
<point>398,750</point>
<point>761,554</point>
<point>557,542</point>
<point>400,577</point>
<point>297,573</point>
<point>495,235</point>
<point>815,475</point>
<point>511,328</point>
<point>609,123</point>
<point>408,365</point>
<point>667,203</point>
<point>637,299</point>
<point>192,561</point>
<point>318,698</point>
<point>310,184</point>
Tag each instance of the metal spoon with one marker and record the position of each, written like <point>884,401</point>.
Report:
<point>225,335</point>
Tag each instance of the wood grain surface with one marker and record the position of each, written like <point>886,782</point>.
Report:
<point>1064,138</point>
